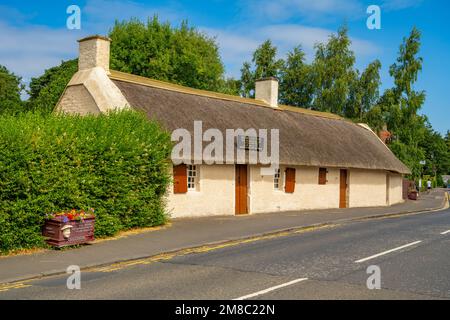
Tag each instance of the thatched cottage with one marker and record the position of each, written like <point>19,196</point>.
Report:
<point>325,161</point>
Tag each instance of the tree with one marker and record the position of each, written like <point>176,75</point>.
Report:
<point>247,81</point>
<point>181,55</point>
<point>296,83</point>
<point>46,90</point>
<point>400,105</point>
<point>11,88</point>
<point>334,73</point>
<point>265,65</point>
<point>437,154</point>
<point>364,92</point>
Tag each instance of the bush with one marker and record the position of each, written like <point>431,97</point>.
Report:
<point>115,163</point>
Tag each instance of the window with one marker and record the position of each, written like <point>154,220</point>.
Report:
<point>192,177</point>
<point>323,176</point>
<point>277,179</point>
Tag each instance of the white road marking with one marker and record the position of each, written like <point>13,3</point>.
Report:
<point>445,232</point>
<point>271,289</point>
<point>388,251</point>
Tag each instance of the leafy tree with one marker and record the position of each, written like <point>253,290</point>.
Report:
<point>247,81</point>
<point>436,152</point>
<point>398,106</point>
<point>265,61</point>
<point>334,73</point>
<point>181,55</point>
<point>230,86</point>
<point>265,65</point>
<point>296,81</point>
<point>364,92</point>
<point>11,88</point>
<point>46,90</point>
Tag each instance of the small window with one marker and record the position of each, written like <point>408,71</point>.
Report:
<point>323,176</point>
<point>277,179</point>
<point>192,177</point>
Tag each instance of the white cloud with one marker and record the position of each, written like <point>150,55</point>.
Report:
<point>311,10</point>
<point>237,46</point>
<point>101,14</point>
<point>28,51</point>
<point>393,5</point>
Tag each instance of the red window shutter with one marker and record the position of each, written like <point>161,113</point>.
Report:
<point>180,179</point>
<point>322,176</point>
<point>289,186</point>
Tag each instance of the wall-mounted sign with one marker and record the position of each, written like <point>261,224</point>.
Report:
<point>250,143</point>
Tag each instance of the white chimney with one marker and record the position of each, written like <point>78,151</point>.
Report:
<point>94,52</point>
<point>267,90</point>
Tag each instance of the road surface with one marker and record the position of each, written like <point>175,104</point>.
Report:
<point>412,253</point>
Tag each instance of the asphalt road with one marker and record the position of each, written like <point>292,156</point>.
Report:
<point>412,252</point>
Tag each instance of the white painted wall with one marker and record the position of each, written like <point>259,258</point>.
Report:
<point>216,192</point>
<point>215,195</point>
<point>367,188</point>
<point>396,187</point>
<point>308,194</point>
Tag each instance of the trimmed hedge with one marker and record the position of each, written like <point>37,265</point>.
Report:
<point>115,163</point>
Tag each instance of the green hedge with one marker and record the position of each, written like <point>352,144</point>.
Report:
<point>115,163</point>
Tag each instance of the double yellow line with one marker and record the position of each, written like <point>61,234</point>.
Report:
<point>203,249</point>
<point>16,285</point>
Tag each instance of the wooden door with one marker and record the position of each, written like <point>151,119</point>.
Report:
<point>343,189</point>
<point>388,187</point>
<point>241,189</point>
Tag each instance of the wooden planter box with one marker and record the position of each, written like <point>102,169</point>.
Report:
<point>413,195</point>
<point>80,232</point>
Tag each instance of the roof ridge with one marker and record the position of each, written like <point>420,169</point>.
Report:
<point>131,78</point>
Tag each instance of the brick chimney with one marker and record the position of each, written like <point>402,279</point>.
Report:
<point>384,134</point>
<point>94,52</point>
<point>267,90</point>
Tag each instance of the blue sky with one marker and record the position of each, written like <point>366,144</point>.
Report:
<point>33,34</point>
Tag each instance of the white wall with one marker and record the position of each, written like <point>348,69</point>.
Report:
<point>215,195</point>
<point>396,188</point>
<point>308,194</point>
<point>367,188</point>
<point>216,192</point>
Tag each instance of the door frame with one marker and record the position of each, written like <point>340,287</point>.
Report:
<point>240,202</point>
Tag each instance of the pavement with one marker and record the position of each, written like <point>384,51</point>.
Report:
<point>410,252</point>
<point>191,233</point>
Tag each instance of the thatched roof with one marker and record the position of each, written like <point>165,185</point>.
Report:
<point>306,137</point>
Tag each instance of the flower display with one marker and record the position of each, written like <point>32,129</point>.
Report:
<point>72,215</point>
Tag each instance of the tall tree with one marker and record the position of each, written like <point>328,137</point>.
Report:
<point>11,88</point>
<point>364,92</point>
<point>296,81</point>
<point>181,55</point>
<point>334,73</point>
<point>401,104</point>
<point>265,64</point>
<point>247,81</point>
<point>265,61</point>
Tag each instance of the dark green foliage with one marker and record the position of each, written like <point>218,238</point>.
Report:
<point>115,163</point>
<point>159,51</point>
<point>10,90</point>
<point>265,65</point>
<point>46,90</point>
<point>296,80</point>
<point>334,73</point>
